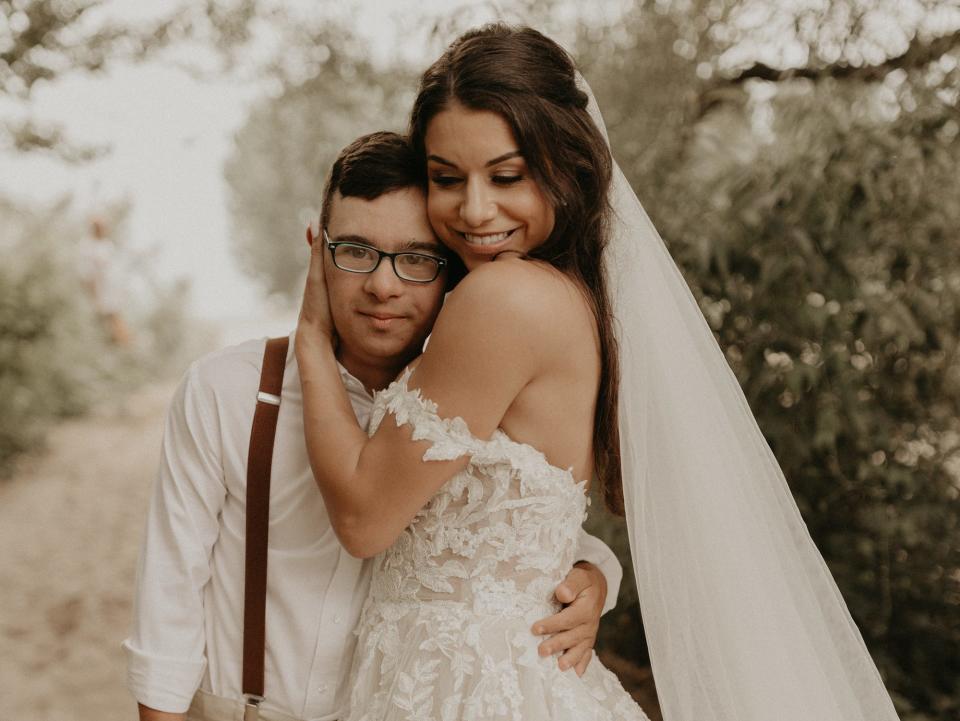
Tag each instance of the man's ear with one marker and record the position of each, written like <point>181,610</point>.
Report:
<point>310,234</point>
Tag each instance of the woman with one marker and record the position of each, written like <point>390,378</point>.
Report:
<point>519,383</point>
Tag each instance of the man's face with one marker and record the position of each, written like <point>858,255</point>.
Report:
<point>380,319</point>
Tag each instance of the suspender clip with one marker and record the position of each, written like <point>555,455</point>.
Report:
<point>268,398</point>
<point>251,709</point>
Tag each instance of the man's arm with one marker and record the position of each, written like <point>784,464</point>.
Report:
<point>149,714</point>
<point>166,647</point>
<point>585,593</point>
<point>596,552</point>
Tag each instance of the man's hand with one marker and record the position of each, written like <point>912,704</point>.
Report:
<point>573,631</point>
<point>149,714</point>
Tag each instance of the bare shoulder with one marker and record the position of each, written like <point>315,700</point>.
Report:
<point>528,311</point>
<point>527,291</point>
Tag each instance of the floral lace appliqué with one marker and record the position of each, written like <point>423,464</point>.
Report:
<point>445,633</point>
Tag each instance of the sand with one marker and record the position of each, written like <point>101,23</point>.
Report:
<point>70,525</point>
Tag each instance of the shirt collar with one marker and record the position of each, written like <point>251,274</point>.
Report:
<point>350,382</point>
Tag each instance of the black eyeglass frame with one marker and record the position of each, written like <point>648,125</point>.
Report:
<point>333,245</point>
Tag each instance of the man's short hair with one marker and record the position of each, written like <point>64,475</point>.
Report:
<point>371,166</point>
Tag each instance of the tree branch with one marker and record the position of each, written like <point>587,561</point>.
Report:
<point>918,54</point>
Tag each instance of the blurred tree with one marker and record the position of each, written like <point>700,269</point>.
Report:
<point>57,356</point>
<point>50,344</point>
<point>41,40</point>
<point>815,214</point>
<point>283,152</point>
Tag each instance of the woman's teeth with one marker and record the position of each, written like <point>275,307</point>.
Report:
<point>486,239</point>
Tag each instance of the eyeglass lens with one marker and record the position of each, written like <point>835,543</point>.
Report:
<point>409,266</point>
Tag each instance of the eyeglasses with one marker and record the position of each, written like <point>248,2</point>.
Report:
<point>359,258</point>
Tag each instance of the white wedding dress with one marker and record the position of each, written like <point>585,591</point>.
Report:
<point>445,632</point>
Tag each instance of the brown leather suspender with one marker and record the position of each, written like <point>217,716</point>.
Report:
<point>259,461</point>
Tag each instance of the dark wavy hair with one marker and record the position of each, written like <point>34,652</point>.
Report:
<point>530,81</point>
<point>371,166</point>
<point>376,164</point>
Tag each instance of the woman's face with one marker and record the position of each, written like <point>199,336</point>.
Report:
<point>482,199</point>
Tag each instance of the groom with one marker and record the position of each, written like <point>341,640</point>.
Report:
<point>184,651</point>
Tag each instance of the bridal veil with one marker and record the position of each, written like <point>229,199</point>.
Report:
<point>743,619</point>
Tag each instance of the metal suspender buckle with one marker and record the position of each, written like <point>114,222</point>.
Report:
<point>268,398</point>
<point>251,709</point>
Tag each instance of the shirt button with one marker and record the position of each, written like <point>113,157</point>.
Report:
<point>322,688</point>
<point>338,618</point>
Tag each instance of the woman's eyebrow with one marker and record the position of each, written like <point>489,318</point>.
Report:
<point>494,161</point>
<point>505,156</point>
<point>442,161</point>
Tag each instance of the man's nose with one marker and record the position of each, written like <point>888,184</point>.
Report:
<point>478,206</point>
<point>383,283</point>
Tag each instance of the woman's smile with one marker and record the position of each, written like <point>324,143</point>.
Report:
<point>483,198</point>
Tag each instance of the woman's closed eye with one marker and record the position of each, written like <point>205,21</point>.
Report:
<point>445,181</point>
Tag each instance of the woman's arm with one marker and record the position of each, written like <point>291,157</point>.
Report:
<point>488,343</point>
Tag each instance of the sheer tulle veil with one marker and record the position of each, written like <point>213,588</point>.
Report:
<point>744,621</point>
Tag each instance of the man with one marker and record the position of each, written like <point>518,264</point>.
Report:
<point>186,644</point>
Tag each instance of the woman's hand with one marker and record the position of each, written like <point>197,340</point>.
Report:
<point>315,322</point>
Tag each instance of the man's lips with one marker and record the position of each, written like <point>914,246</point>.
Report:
<point>380,316</point>
<point>381,320</point>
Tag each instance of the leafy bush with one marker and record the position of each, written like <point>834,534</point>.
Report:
<point>827,260</point>
<point>56,355</point>
<point>50,344</point>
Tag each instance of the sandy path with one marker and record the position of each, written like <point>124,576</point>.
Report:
<point>70,525</point>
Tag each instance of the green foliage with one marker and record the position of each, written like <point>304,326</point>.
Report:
<point>283,152</point>
<point>51,348</point>
<point>817,225</point>
<point>40,40</point>
<point>56,354</point>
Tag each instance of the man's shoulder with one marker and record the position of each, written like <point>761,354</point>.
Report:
<point>228,371</point>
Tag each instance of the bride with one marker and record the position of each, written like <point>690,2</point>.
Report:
<point>571,350</point>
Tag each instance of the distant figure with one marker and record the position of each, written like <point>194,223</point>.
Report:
<point>98,273</point>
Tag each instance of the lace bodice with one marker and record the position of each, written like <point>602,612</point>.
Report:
<point>445,633</point>
<point>500,535</point>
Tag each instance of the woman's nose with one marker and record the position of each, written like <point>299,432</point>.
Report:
<point>478,206</point>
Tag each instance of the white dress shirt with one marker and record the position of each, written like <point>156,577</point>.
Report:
<point>188,613</point>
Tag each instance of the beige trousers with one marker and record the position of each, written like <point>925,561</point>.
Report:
<point>207,707</point>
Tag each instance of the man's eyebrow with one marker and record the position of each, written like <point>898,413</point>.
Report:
<point>353,239</point>
<point>406,246</point>
<point>494,161</point>
<point>425,245</point>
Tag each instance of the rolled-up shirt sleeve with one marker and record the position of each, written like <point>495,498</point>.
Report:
<point>595,551</point>
<point>166,647</point>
